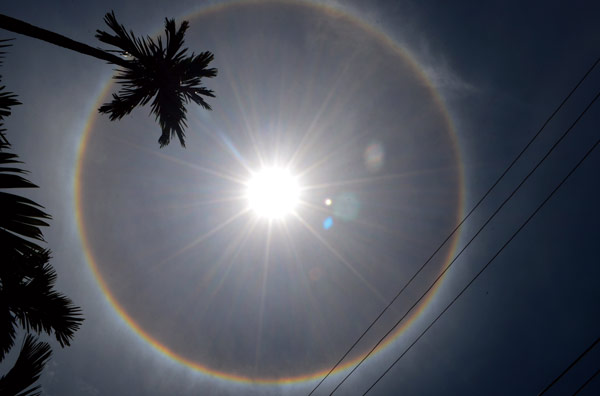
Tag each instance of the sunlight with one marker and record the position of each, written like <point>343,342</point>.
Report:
<point>273,193</point>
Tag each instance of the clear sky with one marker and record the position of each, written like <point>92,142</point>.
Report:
<point>395,117</point>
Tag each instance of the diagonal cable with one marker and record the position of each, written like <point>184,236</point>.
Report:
<point>474,236</point>
<point>555,380</point>
<point>459,225</point>
<point>587,382</point>
<point>490,261</point>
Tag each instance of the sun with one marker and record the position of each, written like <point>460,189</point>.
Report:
<point>273,193</point>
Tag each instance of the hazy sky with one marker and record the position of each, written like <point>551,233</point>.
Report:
<point>401,114</point>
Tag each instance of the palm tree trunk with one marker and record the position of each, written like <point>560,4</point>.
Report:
<point>24,28</point>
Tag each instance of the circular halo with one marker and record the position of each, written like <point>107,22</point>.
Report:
<point>349,213</point>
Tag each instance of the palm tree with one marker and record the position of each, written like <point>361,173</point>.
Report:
<point>27,369</point>
<point>27,297</point>
<point>165,74</point>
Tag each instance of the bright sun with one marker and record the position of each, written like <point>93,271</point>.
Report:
<point>273,193</point>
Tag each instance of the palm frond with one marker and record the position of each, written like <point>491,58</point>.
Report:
<point>38,307</point>
<point>28,299</point>
<point>19,215</point>
<point>12,245</point>
<point>26,279</point>
<point>18,268</point>
<point>27,369</point>
<point>7,329</point>
<point>7,99</point>
<point>2,45</point>
<point>164,74</point>
<point>27,296</point>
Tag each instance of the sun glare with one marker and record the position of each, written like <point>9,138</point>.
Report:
<point>273,193</point>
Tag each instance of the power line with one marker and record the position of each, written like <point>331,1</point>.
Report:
<point>474,236</point>
<point>587,382</point>
<point>459,225</point>
<point>490,261</point>
<point>555,380</point>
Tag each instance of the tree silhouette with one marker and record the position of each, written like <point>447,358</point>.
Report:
<point>165,74</point>
<point>27,369</point>
<point>150,71</point>
<point>27,297</point>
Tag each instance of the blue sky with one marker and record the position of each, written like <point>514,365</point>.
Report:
<point>500,69</point>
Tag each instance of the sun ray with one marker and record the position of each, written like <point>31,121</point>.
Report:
<point>330,155</point>
<point>178,161</point>
<point>235,246</point>
<point>203,237</point>
<point>234,249</point>
<point>372,179</point>
<point>353,270</point>
<point>222,140</point>
<point>241,106</point>
<point>312,132</point>
<point>198,203</point>
<point>263,292</point>
<point>315,306</point>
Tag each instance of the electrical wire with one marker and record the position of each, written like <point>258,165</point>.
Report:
<point>573,363</point>
<point>490,261</point>
<point>587,382</point>
<point>474,236</point>
<point>459,225</point>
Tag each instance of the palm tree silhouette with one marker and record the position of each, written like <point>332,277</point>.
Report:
<point>165,74</point>
<point>27,297</point>
<point>27,369</point>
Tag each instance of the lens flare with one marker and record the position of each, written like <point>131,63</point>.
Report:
<point>374,156</point>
